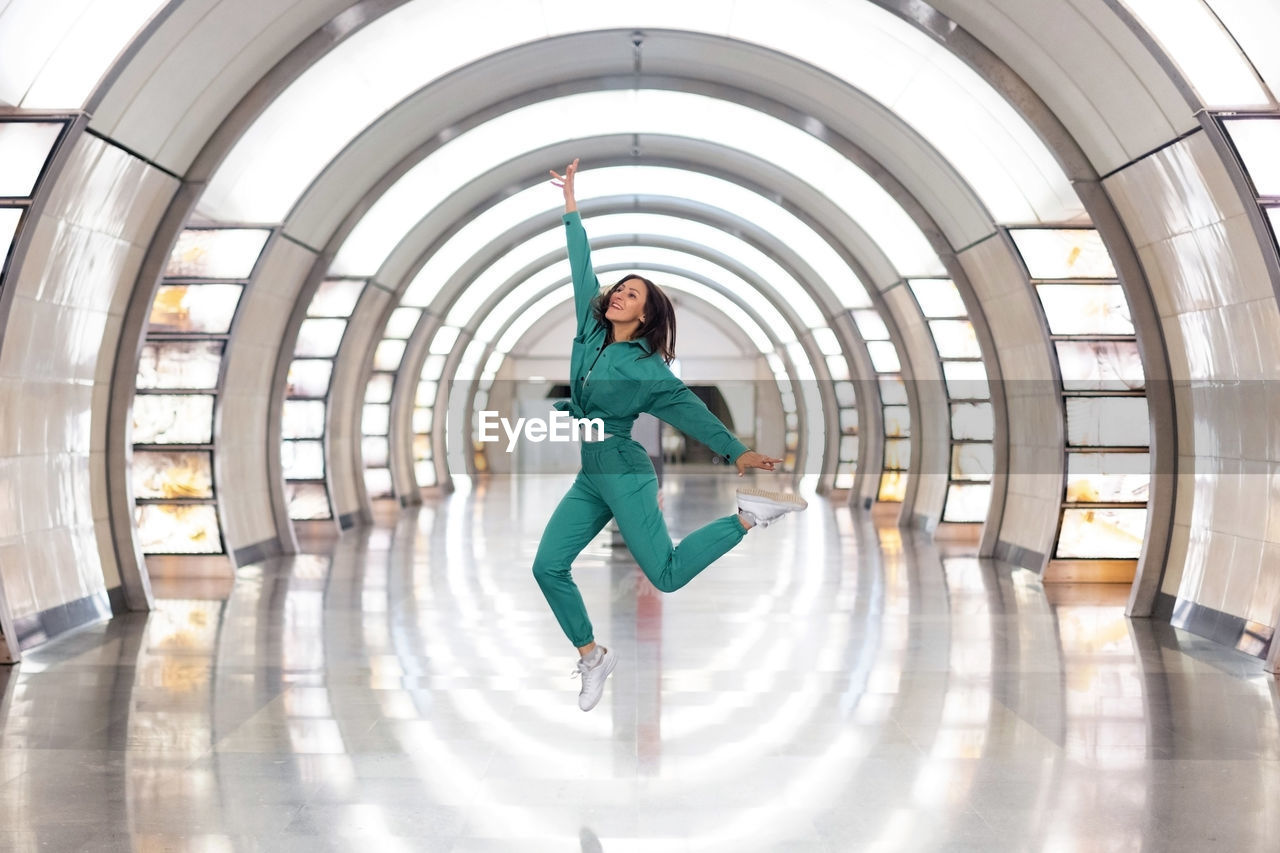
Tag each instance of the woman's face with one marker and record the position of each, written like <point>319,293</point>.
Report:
<point>626,301</point>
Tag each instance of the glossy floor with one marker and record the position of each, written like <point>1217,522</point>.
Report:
<point>827,686</point>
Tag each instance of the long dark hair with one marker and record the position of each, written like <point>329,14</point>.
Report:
<point>659,326</point>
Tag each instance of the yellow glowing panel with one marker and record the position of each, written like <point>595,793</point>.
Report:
<point>1102,533</point>
<point>169,475</point>
<point>205,309</point>
<point>893,486</point>
<point>178,529</point>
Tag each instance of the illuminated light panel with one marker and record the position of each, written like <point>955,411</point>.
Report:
<point>307,501</point>
<point>657,181</point>
<point>336,297</point>
<point>25,147</point>
<point>1253,26</point>
<point>966,380</point>
<point>1273,217</point>
<point>884,356</point>
<point>375,451</point>
<point>180,365</point>
<point>893,487</point>
<point>955,339</point>
<point>172,474</point>
<point>848,420</point>
<point>1196,40</point>
<point>309,378</point>
<point>838,367</point>
<point>1063,253</point>
<point>379,388</point>
<point>1101,533</point>
<point>205,309</point>
<point>302,460</point>
<point>377,481</point>
<point>9,219</point>
<point>319,338</point>
<point>972,461</point>
<point>897,421</point>
<point>848,448</point>
<point>1257,140</point>
<point>402,322</point>
<point>967,502</point>
<point>55,55</point>
<point>1085,309</point>
<point>216,253</point>
<point>870,325</point>
<point>1108,477</point>
<point>972,422</point>
<point>893,391</point>
<point>1107,422</point>
<point>375,419</point>
<point>897,453</point>
<point>904,69</point>
<point>177,528</point>
<point>388,354</point>
<point>303,419</point>
<point>1100,365</point>
<point>938,297</point>
<point>173,419</point>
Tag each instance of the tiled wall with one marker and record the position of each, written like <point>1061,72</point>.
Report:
<point>347,397</point>
<point>1035,408</point>
<point>55,362</point>
<point>250,364</point>
<point>1222,330</point>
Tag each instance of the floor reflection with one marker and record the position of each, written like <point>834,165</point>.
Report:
<point>829,685</point>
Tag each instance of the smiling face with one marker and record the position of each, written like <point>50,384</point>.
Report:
<point>627,301</point>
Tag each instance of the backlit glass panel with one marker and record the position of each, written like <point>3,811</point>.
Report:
<point>893,391</point>
<point>307,501</point>
<point>967,502</point>
<point>1108,477</point>
<point>884,356</point>
<point>319,338</point>
<point>205,309</point>
<point>870,325</point>
<point>849,420</point>
<point>1257,140</point>
<point>972,421</point>
<point>893,486</point>
<point>848,448</point>
<point>846,396</point>
<point>375,451</point>
<point>938,297</point>
<point>1063,253</point>
<point>172,474</point>
<point>379,388</point>
<point>897,453</point>
<point>966,380</point>
<point>955,339</point>
<point>388,354</point>
<point>302,460</point>
<point>377,481</point>
<point>335,298</point>
<point>402,322</point>
<point>972,462</point>
<point>897,421</point>
<point>309,377</point>
<point>25,147</point>
<point>180,364</point>
<point>1085,309</point>
<point>1107,422</point>
<point>216,253</point>
<point>375,419</point>
<point>178,528</point>
<point>173,419</point>
<point>1100,365</point>
<point>303,419</point>
<point>1102,533</point>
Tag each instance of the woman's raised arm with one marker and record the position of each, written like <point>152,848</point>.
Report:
<point>586,287</point>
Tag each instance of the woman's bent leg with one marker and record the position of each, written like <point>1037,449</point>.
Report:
<point>581,514</point>
<point>634,500</point>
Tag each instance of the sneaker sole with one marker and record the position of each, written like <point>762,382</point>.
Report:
<point>609,663</point>
<point>777,497</point>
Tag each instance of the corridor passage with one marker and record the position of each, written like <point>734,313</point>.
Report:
<point>828,686</point>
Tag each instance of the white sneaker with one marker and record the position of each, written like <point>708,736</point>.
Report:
<point>593,670</point>
<point>762,508</point>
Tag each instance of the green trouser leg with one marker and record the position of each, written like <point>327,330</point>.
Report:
<point>620,481</point>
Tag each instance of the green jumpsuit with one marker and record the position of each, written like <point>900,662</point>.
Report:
<point>616,383</point>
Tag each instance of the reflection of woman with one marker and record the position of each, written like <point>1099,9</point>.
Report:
<point>614,378</point>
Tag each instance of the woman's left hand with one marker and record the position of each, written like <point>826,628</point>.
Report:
<point>751,459</point>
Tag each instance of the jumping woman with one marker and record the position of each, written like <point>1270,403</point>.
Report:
<point>615,377</point>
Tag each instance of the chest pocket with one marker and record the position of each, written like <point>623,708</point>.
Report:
<point>613,385</point>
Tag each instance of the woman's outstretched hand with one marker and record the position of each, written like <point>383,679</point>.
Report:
<point>751,459</point>
<point>565,182</point>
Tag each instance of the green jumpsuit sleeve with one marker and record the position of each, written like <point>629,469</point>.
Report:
<point>671,400</point>
<point>585,284</point>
